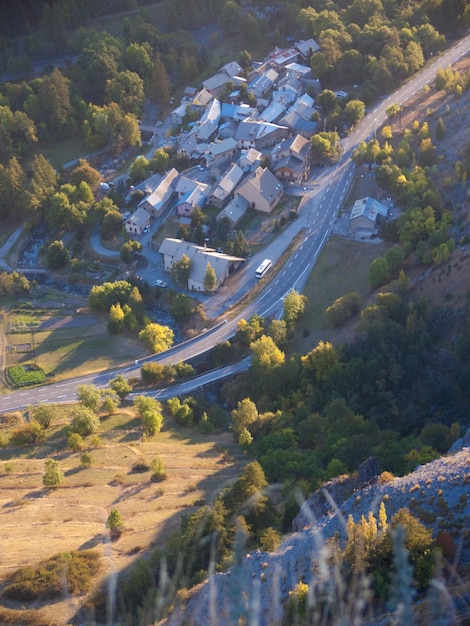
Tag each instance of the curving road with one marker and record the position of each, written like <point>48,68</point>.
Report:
<point>317,213</point>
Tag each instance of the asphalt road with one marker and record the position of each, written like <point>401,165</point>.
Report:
<point>317,213</point>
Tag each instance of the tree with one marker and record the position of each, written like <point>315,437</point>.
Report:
<point>127,90</point>
<point>115,523</point>
<point>354,112</point>
<point>146,403</point>
<point>115,319</point>
<point>75,442</point>
<point>245,414</point>
<point>43,183</point>
<point>53,476</point>
<point>160,160</point>
<point>43,414</point>
<point>152,421</point>
<point>379,272</point>
<point>343,308</point>
<point>293,307</point>
<point>160,86</point>
<point>89,396</point>
<point>210,278</point>
<point>181,270</point>
<point>120,386</point>
<point>157,337</point>
<point>84,421</point>
<point>266,355</point>
<point>321,360</point>
<point>85,173</point>
<point>57,254</point>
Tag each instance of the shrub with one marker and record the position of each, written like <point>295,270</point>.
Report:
<point>158,469</point>
<point>86,459</point>
<point>386,477</point>
<point>343,308</point>
<point>26,435</point>
<point>75,442</point>
<point>53,475</point>
<point>115,523</point>
<point>70,572</point>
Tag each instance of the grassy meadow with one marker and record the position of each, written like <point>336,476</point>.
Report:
<point>65,341</point>
<point>74,515</point>
<point>342,267</point>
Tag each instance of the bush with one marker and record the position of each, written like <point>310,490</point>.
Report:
<point>158,469</point>
<point>53,475</point>
<point>27,434</point>
<point>343,308</point>
<point>75,442</point>
<point>115,523</point>
<point>86,459</point>
<point>70,572</point>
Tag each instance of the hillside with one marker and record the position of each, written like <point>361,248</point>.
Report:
<point>263,581</point>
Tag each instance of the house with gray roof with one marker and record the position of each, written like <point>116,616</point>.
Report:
<point>229,73</point>
<point>234,211</point>
<point>249,159</point>
<point>219,150</point>
<point>291,159</point>
<point>306,48</point>
<point>206,128</point>
<point>223,189</point>
<point>195,198</point>
<point>223,264</point>
<point>366,215</point>
<point>262,83</point>
<point>258,134</point>
<point>137,222</point>
<point>190,147</point>
<point>178,114</point>
<point>159,198</point>
<point>261,189</point>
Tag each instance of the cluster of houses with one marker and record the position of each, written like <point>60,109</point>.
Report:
<point>228,140</point>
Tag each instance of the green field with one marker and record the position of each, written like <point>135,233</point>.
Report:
<point>342,267</point>
<point>63,342</point>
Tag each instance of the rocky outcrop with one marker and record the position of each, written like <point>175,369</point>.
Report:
<point>258,586</point>
<point>333,493</point>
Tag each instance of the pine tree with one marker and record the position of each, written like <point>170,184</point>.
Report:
<point>160,83</point>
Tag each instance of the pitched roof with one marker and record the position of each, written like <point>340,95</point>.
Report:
<point>232,68</point>
<point>199,256</point>
<point>202,98</point>
<point>305,47</point>
<point>369,208</point>
<point>264,183</point>
<point>227,183</point>
<point>140,218</point>
<point>235,209</point>
<point>162,193</point>
<point>219,147</point>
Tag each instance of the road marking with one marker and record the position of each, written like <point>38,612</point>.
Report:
<point>59,397</point>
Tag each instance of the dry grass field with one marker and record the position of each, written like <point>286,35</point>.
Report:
<point>38,523</point>
<point>63,338</point>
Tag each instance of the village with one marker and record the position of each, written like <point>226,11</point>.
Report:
<point>244,156</point>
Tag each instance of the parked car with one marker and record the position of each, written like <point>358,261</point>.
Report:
<point>146,230</point>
